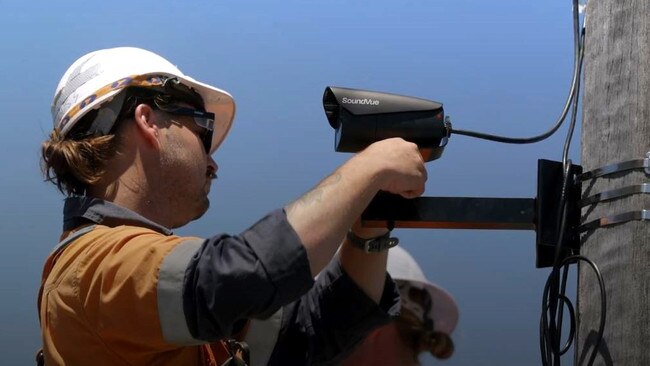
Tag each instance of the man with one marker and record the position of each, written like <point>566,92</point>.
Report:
<point>131,147</point>
<point>428,317</point>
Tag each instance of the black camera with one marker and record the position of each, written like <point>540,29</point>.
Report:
<point>361,117</point>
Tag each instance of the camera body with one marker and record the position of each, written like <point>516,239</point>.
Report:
<point>361,117</point>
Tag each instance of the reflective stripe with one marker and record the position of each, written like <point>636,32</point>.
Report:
<point>261,337</point>
<point>77,78</point>
<point>170,293</point>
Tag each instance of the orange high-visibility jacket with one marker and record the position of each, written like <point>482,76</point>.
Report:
<point>126,291</point>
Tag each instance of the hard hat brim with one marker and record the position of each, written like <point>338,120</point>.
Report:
<point>444,310</point>
<point>217,101</point>
<point>96,78</point>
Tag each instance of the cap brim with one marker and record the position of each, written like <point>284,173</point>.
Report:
<point>444,310</point>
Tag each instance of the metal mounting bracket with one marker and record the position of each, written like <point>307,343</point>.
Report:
<point>618,167</point>
<point>643,215</point>
<point>616,193</point>
<point>550,176</point>
<point>539,214</point>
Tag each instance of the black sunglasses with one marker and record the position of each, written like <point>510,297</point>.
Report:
<point>203,119</point>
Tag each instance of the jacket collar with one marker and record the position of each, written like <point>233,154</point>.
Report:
<point>80,210</point>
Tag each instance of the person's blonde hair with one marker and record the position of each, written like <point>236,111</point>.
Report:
<point>73,165</point>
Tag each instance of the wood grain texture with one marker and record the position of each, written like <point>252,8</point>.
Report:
<point>616,127</point>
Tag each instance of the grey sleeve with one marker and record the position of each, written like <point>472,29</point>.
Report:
<point>230,279</point>
<point>323,326</point>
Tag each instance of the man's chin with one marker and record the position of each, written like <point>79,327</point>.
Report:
<point>203,209</point>
<point>198,214</point>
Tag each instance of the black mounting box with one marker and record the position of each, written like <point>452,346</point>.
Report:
<point>547,212</point>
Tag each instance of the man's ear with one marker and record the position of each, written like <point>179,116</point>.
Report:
<point>145,122</point>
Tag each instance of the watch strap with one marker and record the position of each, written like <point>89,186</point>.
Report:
<point>372,245</point>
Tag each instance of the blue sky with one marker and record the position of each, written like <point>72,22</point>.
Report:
<point>501,67</point>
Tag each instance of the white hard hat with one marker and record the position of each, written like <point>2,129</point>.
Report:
<point>96,78</point>
<point>403,268</point>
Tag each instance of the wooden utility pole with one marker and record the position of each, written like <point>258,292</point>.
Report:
<point>616,128</point>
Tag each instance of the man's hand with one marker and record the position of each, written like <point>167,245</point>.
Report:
<point>322,216</point>
<point>399,165</point>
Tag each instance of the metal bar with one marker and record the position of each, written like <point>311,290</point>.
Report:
<point>616,193</point>
<point>388,210</point>
<point>643,215</point>
<point>616,168</point>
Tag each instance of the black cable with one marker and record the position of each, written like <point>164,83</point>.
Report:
<point>555,329</point>
<point>554,290</point>
<point>554,332</point>
<point>554,299</point>
<point>574,112</point>
<point>572,329</point>
<point>556,326</point>
<point>545,339</point>
<point>560,313</point>
<point>551,334</point>
<point>577,46</point>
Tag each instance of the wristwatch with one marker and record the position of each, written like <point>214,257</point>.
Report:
<point>372,245</point>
